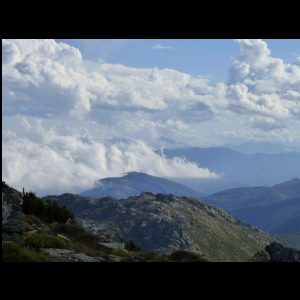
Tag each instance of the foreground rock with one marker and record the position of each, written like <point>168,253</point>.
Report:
<point>279,253</point>
<point>276,252</point>
<point>11,215</point>
<point>69,255</point>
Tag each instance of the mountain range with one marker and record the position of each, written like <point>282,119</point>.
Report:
<point>146,227</point>
<point>237,169</point>
<point>274,209</point>
<point>262,147</point>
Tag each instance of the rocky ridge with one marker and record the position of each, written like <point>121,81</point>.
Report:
<point>164,223</point>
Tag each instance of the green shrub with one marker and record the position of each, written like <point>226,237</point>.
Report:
<point>56,213</point>
<point>32,205</point>
<point>48,211</point>
<point>12,252</point>
<point>43,240</point>
<point>132,246</point>
<point>185,256</point>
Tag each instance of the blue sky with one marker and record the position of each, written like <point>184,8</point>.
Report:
<point>203,57</point>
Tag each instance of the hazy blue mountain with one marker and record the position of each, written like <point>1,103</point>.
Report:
<point>135,183</point>
<point>262,147</point>
<point>274,209</point>
<point>238,169</point>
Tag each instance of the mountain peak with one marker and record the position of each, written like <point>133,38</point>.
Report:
<point>135,183</point>
<point>135,173</point>
<point>289,183</point>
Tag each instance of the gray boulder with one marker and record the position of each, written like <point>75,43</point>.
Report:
<point>279,253</point>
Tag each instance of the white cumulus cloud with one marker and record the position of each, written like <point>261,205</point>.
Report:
<point>161,47</point>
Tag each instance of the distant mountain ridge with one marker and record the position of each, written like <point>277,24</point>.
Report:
<point>134,183</point>
<point>274,209</point>
<point>238,169</point>
<point>262,147</point>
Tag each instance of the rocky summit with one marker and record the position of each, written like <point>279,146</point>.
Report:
<point>164,223</point>
<point>134,183</point>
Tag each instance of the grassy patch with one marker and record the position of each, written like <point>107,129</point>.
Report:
<point>90,250</point>
<point>12,252</point>
<point>122,253</point>
<point>185,256</point>
<point>76,233</point>
<point>82,240</point>
<point>31,219</point>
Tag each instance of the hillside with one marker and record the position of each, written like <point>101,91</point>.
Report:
<point>135,183</point>
<point>165,223</point>
<point>273,209</point>
<point>34,237</point>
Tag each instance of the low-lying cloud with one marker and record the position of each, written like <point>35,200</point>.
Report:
<point>65,163</point>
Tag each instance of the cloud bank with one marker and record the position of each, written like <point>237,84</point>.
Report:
<point>67,163</point>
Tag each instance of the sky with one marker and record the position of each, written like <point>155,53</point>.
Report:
<point>204,57</point>
<point>75,111</point>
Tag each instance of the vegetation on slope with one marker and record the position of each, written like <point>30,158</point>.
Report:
<point>48,212</point>
<point>163,223</point>
<point>47,227</point>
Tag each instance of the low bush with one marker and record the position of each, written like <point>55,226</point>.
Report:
<point>43,240</point>
<point>76,233</point>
